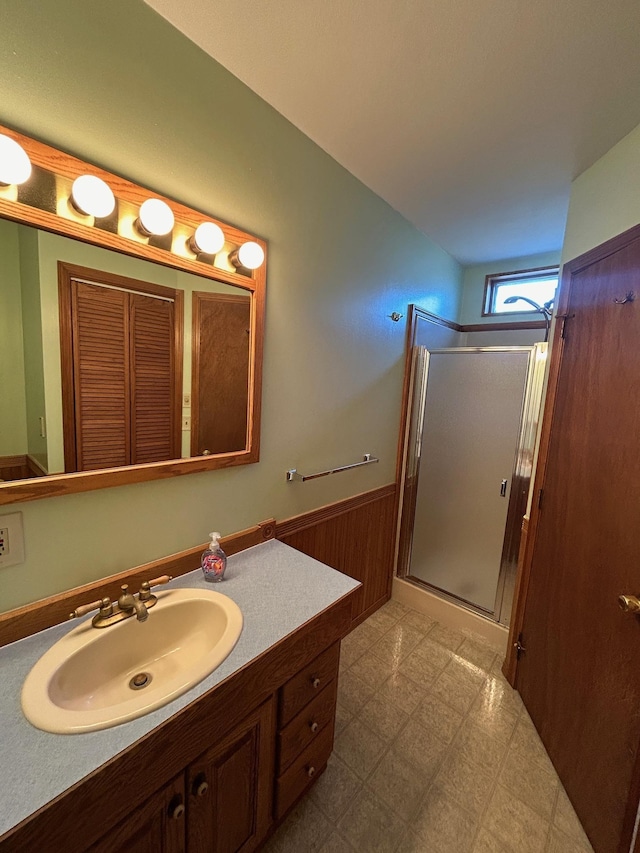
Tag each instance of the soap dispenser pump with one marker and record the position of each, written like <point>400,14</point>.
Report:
<point>213,560</point>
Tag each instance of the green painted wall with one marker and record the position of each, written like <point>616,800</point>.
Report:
<point>13,414</point>
<point>605,200</point>
<point>115,84</point>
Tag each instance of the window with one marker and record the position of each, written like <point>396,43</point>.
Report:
<point>538,285</point>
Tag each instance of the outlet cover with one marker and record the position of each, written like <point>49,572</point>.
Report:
<point>11,540</point>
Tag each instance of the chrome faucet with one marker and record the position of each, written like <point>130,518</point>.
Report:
<point>127,605</point>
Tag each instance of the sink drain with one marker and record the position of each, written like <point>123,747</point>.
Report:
<point>140,680</point>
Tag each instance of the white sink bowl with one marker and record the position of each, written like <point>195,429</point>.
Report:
<point>83,682</point>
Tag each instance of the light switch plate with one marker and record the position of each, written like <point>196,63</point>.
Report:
<point>11,540</point>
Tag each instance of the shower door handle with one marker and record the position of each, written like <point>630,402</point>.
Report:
<point>503,489</point>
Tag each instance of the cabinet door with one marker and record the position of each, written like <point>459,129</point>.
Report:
<point>230,788</point>
<point>157,826</point>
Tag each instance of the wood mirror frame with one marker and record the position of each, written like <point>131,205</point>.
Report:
<point>60,169</point>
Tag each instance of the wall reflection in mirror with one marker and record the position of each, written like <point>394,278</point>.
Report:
<point>108,360</point>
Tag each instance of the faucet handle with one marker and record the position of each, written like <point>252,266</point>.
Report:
<point>145,587</point>
<point>102,603</point>
<point>162,579</point>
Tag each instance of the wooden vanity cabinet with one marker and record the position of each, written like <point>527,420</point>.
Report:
<point>229,788</point>
<point>306,718</point>
<point>220,804</point>
<point>157,826</point>
<point>225,769</point>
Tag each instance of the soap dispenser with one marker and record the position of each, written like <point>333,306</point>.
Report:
<point>213,560</point>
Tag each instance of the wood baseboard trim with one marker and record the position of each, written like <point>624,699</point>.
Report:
<point>35,467</point>
<point>297,523</point>
<point>31,618</point>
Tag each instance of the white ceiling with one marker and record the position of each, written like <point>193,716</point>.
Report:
<point>470,117</point>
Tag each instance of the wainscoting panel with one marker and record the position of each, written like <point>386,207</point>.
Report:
<point>355,536</point>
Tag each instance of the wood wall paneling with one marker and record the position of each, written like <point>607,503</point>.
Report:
<point>15,467</point>
<point>355,536</point>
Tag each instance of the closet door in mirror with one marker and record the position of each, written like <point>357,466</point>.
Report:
<point>221,349</point>
<point>121,371</point>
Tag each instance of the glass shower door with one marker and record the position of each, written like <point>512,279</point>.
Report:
<point>469,450</point>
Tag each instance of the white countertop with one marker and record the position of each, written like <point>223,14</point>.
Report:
<point>277,588</point>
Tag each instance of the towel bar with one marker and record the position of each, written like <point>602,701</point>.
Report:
<point>292,473</point>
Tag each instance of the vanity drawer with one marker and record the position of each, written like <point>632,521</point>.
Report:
<point>294,781</point>
<point>308,683</point>
<point>306,726</point>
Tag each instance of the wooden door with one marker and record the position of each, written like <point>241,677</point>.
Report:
<point>220,368</point>
<point>230,788</point>
<point>121,369</point>
<point>100,379</point>
<point>157,826</point>
<point>578,675</point>
<point>155,411</point>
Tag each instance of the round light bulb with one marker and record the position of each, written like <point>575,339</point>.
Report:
<point>208,239</point>
<point>15,166</point>
<point>251,255</point>
<point>92,196</point>
<point>155,217</point>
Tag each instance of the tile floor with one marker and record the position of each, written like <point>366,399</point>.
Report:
<point>434,753</point>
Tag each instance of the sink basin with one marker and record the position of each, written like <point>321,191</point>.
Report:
<point>85,681</point>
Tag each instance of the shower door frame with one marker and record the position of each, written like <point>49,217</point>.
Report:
<point>520,476</point>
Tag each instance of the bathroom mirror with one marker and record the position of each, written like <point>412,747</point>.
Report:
<point>124,357</point>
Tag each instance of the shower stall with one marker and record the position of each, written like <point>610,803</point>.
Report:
<point>469,445</point>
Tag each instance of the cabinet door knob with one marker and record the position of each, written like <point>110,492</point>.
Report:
<point>311,772</point>
<point>315,682</point>
<point>314,727</point>
<point>176,808</point>
<point>200,785</point>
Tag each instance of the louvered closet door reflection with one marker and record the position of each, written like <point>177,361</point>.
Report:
<point>153,435</point>
<point>101,376</point>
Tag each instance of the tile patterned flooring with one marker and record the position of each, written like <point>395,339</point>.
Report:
<point>434,753</point>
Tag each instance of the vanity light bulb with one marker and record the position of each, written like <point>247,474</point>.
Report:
<point>155,217</point>
<point>92,196</point>
<point>251,255</point>
<point>208,239</point>
<point>15,166</point>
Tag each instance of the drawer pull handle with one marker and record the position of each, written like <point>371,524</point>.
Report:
<point>315,682</point>
<point>176,808</point>
<point>311,772</point>
<point>200,785</point>
<point>314,727</point>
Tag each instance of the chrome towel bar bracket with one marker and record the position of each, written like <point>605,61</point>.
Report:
<point>292,473</point>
